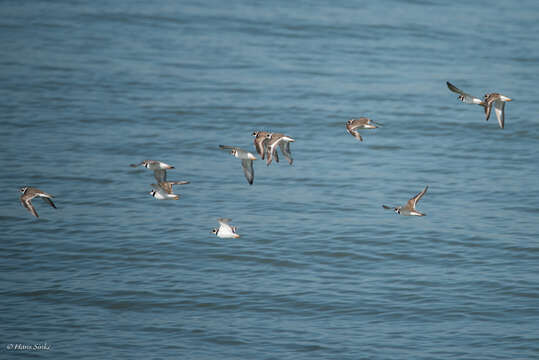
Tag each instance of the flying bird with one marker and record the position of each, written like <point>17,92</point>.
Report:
<point>225,230</point>
<point>163,190</point>
<point>261,141</point>
<point>496,99</point>
<point>28,193</point>
<point>246,161</point>
<point>159,168</point>
<point>409,208</point>
<point>361,123</point>
<point>284,144</point>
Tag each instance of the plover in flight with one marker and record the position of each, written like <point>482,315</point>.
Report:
<point>159,168</point>
<point>284,144</point>
<point>498,100</point>
<point>361,123</point>
<point>409,209</point>
<point>28,193</point>
<point>163,190</point>
<point>261,141</point>
<point>246,161</point>
<point>225,230</point>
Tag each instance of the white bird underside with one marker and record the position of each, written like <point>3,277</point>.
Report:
<point>225,230</point>
<point>161,194</point>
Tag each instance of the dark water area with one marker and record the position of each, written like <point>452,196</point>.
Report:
<point>321,269</point>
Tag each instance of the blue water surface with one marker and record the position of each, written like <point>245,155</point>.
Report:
<point>321,269</point>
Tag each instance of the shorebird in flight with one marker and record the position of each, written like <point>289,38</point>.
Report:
<point>159,168</point>
<point>284,144</point>
<point>261,142</point>
<point>361,123</point>
<point>496,99</point>
<point>163,190</point>
<point>246,161</point>
<point>28,193</point>
<point>225,230</point>
<point>409,208</point>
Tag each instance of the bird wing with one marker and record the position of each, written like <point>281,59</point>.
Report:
<point>223,221</point>
<point>488,108</point>
<point>248,170</point>
<point>285,149</point>
<point>351,129</point>
<point>276,154</point>
<point>268,157</point>
<point>466,98</point>
<point>26,202</point>
<point>271,150</point>
<point>160,175</point>
<point>41,193</point>
<point>166,186</point>
<point>413,201</point>
<point>49,201</point>
<point>179,182</point>
<point>260,145</point>
<point>499,110</point>
<point>271,153</point>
